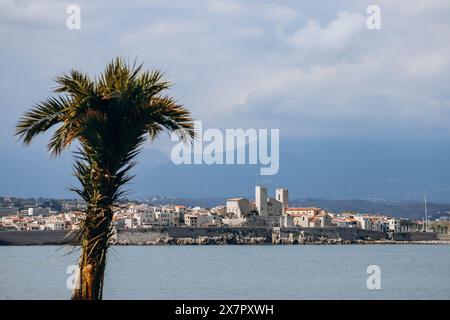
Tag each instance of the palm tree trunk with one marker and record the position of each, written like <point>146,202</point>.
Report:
<point>95,237</point>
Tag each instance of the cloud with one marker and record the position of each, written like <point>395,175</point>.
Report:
<point>225,7</point>
<point>335,36</point>
<point>255,63</point>
<point>257,10</point>
<point>36,14</point>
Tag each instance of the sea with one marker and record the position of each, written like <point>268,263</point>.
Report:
<point>236,272</point>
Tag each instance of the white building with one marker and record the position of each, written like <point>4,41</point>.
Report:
<point>144,214</point>
<point>309,217</point>
<point>166,216</point>
<point>34,226</point>
<point>270,206</point>
<point>238,207</point>
<point>180,209</point>
<point>394,224</point>
<point>219,210</point>
<point>364,222</point>
<point>54,224</point>
<point>282,195</point>
<point>130,223</point>
<point>308,211</point>
<point>38,211</point>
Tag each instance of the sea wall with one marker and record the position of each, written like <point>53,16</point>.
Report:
<point>295,235</point>
<point>197,235</point>
<point>414,236</point>
<point>251,235</point>
<point>221,236</point>
<point>46,237</point>
<point>443,237</point>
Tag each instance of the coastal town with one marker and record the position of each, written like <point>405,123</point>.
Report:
<point>262,211</point>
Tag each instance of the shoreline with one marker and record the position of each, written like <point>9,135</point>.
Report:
<point>428,243</point>
<point>379,243</point>
<point>231,236</point>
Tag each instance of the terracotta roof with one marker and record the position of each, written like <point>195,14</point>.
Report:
<point>322,214</point>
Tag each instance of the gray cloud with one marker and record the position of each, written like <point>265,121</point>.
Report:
<point>309,69</point>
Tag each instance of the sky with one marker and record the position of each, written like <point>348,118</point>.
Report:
<point>361,113</point>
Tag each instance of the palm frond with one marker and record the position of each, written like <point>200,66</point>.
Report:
<point>166,112</point>
<point>41,117</point>
<point>75,84</point>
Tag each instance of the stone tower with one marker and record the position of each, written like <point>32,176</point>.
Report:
<point>261,200</point>
<point>282,195</point>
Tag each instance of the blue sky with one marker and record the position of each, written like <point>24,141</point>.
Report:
<point>313,70</point>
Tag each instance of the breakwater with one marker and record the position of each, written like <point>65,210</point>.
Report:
<point>224,236</point>
<point>262,235</point>
<point>28,238</point>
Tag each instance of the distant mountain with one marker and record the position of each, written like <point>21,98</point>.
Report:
<point>188,202</point>
<point>314,168</point>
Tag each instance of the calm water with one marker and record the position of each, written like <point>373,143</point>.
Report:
<point>236,272</point>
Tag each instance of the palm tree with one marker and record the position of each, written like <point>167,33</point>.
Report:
<point>109,119</point>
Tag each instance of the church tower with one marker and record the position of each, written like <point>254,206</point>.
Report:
<point>261,200</point>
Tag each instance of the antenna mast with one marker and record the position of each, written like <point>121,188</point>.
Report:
<point>426,213</point>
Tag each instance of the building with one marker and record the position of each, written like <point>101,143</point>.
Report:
<point>261,200</point>
<point>144,214</point>
<point>38,211</point>
<point>282,195</point>
<point>344,222</point>
<point>167,216</point>
<point>8,211</point>
<point>321,220</point>
<point>274,207</point>
<point>394,224</point>
<point>377,224</point>
<point>193,220</point>
<point>180,209</point>
<point>238,207</point>
<point>408,226</point>
<point>130,223</point>
<point>54,224</point>
<point>220,211</point>
<point>118,222</point>
<point>363,222</point>
<point>301,220</point>
<point>309,217</point>
<point>269,206</point>
<point>308,211</point>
